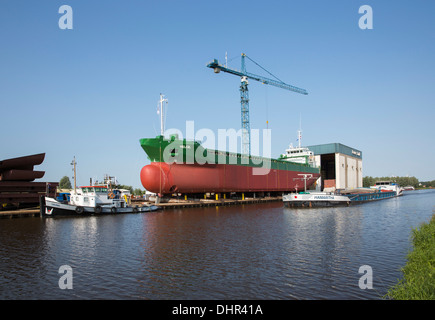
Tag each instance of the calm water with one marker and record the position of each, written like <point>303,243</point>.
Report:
<point>236,252</point>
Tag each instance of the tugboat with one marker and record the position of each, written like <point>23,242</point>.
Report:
<point>88,200</point>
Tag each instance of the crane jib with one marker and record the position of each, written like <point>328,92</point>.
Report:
<point>244,97</point>
<point>218,67</point>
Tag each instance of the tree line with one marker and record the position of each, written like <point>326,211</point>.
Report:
<point>401,181</point>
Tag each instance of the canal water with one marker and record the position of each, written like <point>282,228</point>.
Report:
<point>252,251</point>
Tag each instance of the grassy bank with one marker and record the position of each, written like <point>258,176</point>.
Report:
<point>418,281</point>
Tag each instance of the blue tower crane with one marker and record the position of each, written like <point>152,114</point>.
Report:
<point>244,96</point>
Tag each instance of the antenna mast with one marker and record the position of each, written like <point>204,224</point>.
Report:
<point>162,125</point>
<point>73,163</point>
<point>300,130</point>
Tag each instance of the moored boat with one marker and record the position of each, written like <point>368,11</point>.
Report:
<point>88,200</point>
<point>338,198</point>
<point>387,186</point>
<point>315,199</point>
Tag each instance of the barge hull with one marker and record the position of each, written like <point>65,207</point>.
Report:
<point>314,204</point>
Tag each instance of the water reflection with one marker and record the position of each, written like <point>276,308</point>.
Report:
<point>236,252</point>
<point>325,240</point>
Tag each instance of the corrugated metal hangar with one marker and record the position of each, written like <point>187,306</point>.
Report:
<point>341,166</point>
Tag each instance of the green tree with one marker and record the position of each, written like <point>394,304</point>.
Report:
<point>65,183</point>
<point>138,192</point>
<point>368,181</point>
<point>122,186</point>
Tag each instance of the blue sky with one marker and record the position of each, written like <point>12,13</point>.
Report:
<point>92,92</point>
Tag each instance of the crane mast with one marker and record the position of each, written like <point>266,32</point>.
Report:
<point>244,104</point>
<point>244,93</point>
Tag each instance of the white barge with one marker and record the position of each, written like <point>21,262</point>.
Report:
<point>310,199</point>
<point>315,199</point>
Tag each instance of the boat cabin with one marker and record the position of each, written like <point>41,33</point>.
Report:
<point>384,183</point>
<point>299,154</point>
<point>92,196</point>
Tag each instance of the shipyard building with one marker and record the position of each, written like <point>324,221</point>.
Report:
<point>341,166</point>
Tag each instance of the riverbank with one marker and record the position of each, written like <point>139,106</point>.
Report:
<point>418,282</point>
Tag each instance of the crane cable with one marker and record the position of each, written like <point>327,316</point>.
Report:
<point>264,69</point>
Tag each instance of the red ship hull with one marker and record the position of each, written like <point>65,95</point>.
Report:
<point>160,177</point>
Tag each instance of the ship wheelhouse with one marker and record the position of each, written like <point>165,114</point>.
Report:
<point>298,155</point>
<point>91,196</point>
